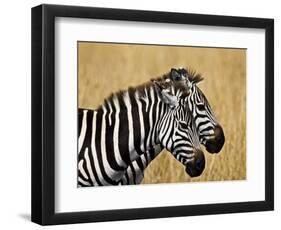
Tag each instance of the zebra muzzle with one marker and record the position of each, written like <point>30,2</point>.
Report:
<point>195,167</point>
<point>215,144</point>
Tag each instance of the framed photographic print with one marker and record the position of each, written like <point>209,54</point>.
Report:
<point>142,114</point>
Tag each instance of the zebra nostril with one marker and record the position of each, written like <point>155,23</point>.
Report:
<point>215,145</point>
<point>200,160</point>
<point>219,135</point>
<point>197,166</point>
<point>217,130</point>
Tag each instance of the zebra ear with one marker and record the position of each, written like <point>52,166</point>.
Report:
<point>176,75</point>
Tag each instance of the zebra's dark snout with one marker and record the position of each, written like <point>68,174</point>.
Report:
<point>196,167</point>
<point>215,145</point>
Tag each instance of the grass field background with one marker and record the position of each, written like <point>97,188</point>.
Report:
<point>106,68</point>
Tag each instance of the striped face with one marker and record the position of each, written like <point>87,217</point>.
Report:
<point>177,130</point>
<point>210,132</point>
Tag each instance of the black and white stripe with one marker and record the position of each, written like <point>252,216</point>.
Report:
<point>203,116</point>
<point>130,123</point>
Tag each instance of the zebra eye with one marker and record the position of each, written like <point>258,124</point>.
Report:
<point>201,106</point>
<point>183,125</point>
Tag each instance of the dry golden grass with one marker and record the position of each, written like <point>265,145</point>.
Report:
<point>106,68</point>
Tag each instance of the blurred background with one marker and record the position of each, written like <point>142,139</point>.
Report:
<point>104,68</point>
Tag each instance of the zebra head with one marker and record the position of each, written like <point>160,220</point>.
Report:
<point>210,132</point>
<point>176,128</point>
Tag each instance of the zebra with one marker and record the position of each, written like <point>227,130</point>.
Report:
<point>130,123</point>
<point>209,130</point>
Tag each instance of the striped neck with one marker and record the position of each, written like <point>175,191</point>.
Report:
<point>129,123</point>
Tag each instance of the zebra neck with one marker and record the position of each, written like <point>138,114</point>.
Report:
<point>146,113</point>
<point>129,124</point>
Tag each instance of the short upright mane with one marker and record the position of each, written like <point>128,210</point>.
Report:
<point>193,76</point>
<point>130,90</point>
<point>190,73</point>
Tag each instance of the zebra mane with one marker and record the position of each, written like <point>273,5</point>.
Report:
<point>193,76</point>
<point>130,90</point>
<point>163,80</point>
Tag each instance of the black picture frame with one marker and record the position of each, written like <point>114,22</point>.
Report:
<point>43,110</point>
